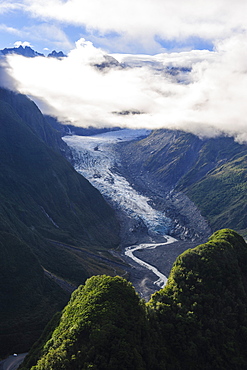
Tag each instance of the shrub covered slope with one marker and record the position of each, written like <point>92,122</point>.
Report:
<point>198,321</point>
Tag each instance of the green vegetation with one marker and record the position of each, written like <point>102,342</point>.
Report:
<point>33,118</point>
<point>28,299</point>
<point>221,194</point>
<point>103,326</point>
<point>198,321</point>
<point>212,172</point>
<point>202,309</point>
<point>47,209</point>
<point>43,202</point>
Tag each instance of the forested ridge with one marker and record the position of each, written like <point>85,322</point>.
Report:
<point>198,321</point>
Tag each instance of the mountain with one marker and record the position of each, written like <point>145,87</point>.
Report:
<point>34,119</point>
<point>25,51</point>
<point>211,172</point>
<point>108,63</point>
<point>51,219</point>
<point>30,53</point>
<point>202,310</point>
<point>55,54</point>
<point>103,326</point>
<point>197,321</point>
<point>28,297</point>
<point>53,191</point>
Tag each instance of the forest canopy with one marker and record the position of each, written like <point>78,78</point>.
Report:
<point>197,321</point>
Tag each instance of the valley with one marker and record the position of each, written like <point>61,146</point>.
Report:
<point>146,229</point>
<point>91,216</point>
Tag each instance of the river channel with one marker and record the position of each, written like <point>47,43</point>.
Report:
<point>129,252</point>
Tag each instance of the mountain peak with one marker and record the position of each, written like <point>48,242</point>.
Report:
<point>25,51</point>
<point>55,54</point>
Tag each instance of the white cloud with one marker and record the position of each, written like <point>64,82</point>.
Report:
<point>210,101</point>
<point>143,21</point>
<point>48,34</point>
<point>22,43</point>
<point>9,6</point>
<point>11,30</point>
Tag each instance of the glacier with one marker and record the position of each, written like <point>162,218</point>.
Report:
<point>95,158</point>
<point>98,159</point>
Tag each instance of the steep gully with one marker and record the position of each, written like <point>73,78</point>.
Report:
<point>147,245</point>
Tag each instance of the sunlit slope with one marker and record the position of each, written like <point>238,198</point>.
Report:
<point>212,172</point>
<point>103,326</point>
<point>202,310</point>
<point>221,194</point>
<point>197,321</point>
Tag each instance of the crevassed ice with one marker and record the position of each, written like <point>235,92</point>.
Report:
<point>95,159</point>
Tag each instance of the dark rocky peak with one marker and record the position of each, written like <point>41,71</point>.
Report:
<point>25,51</point>
<point>109,62</point>
<point>55,54</point>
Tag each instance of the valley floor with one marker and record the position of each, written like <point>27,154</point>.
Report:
<point>162,257</point>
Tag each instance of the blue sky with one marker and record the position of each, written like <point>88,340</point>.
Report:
<point>209,38</point>
<point>130,26</point>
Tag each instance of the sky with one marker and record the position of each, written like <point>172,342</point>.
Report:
<point>205,42</point>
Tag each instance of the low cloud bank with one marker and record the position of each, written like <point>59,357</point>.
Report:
<point>197,91</point>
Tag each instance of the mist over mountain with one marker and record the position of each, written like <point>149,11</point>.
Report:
<point>197,91</point>
<point>123,182</point>
<point>55,54</point>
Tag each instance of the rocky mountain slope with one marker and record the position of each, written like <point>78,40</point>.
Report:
<point>46,207</point>
<point>211,172</point>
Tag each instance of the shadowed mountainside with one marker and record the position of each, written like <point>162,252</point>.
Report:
<point>44,204</point>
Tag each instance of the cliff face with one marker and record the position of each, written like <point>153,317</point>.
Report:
<point>197,321</point>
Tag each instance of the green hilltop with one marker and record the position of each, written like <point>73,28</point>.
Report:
<point>198,321</point>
